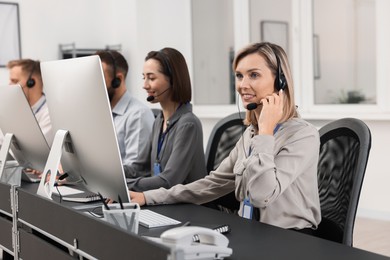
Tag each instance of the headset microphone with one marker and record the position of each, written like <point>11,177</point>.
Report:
<point>252,106</point>
<point>151,98</point>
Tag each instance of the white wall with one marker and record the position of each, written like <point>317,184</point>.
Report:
<point>345,63</point>
<point>212,40</point>
<point>274,11</point>
<point>45,24</point>
<point>159,24</point>
<point>141,26</point>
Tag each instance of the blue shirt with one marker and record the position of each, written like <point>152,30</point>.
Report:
<point>133,122</point>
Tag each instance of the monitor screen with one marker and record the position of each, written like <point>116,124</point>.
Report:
<point>78,103</point>
<point>29,146</point>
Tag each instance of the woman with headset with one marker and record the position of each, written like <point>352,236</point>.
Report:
<point>175,152</point>
<point>273,167</point>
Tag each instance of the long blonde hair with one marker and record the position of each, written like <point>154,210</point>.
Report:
<point>271,52</point>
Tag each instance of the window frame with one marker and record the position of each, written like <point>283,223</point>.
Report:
<point>302,66</point>
<point>304,76</point>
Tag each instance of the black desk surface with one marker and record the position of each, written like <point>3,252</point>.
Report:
<point>254,240</point>
<point>251,239</point>
<point>80,230</point>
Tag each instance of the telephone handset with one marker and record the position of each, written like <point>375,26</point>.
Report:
<point>185,235</point>
<point>211,245</point>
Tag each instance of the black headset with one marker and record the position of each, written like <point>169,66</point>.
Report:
<point>30,81</point>
<point>164,60</point>
<point>280,79</point>
<point>116,81</point>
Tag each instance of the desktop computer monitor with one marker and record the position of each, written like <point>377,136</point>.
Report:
<point>78,103</point>
<point>28,145</point>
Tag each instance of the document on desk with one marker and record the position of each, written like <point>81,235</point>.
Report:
<point>66,191</point>
<point>75,195</point>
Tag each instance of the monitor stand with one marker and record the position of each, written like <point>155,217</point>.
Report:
<point>45,188</point>
<point>4,151</point>
<point>12,176</point>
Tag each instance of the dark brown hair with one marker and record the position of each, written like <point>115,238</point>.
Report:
<point>114,60</point>
<point>173,65</point>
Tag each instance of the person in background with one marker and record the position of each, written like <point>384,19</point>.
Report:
<point>133,119</point>
<point>175,153</point>
<point>273,167</point>
<point>27,73</point>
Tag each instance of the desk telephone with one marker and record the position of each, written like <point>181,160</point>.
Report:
<point>211,245</point>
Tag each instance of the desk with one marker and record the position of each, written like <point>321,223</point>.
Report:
<point>97,239</point>
<point>254,240</point>
<point>6,218</point>
<point>77,231</point>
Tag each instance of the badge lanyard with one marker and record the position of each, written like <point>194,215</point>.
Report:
<point>247,210</point>
<point>161,138</point>
<point>157,165</point>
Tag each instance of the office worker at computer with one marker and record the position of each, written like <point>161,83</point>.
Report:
<point>175,153</point>
<point>273,167</point>
<point>133,120</point>
<point>27,73</point>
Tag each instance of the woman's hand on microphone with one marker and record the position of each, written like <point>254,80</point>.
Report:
<point>137,197</point>
<point>271,113</point>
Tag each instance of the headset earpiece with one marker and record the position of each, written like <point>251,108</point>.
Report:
<point>116,81</point>
<point>30,81</point>
<point>280,79</point>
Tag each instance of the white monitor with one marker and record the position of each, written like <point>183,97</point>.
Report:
<point>27,144</point>
<point>78,103</point>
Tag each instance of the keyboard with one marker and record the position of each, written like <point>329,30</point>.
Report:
<point>151,219</point>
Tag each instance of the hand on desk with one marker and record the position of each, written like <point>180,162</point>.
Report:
<point>137,197</point>
<point>32,171</point>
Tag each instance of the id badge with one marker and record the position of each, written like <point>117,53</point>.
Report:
<point>247,210</point>
<point>157,169</point>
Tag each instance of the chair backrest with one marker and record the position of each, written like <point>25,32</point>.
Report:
<point>222,140</point>
<point>344,150</point>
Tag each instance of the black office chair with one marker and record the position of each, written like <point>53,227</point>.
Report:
<point>344,150</point>
<point>222,140</point>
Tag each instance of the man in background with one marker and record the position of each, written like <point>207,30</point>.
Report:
<point>133,120</point>
<point>27,73</point>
